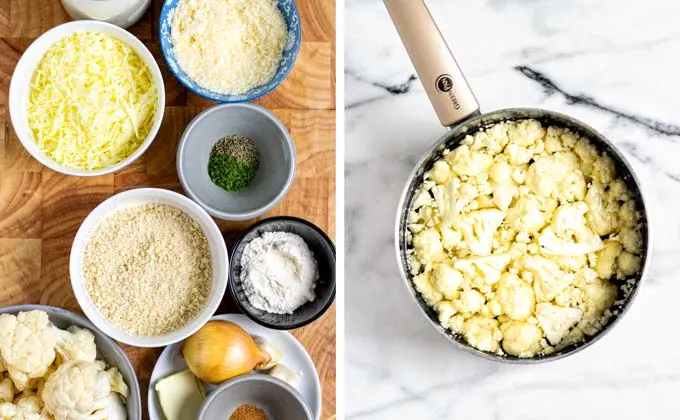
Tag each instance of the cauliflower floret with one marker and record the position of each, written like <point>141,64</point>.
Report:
<point>469,162</point>
<point>604,170</point>
<point>24,408</point>
<point>572,263</point>
<point>628,215</point>
<point>428,246</point>
<point>441,172</point>
<point>6,390</point>
<point>549,280</point>
<point>526,132</point>
<point>519,173</point>
<point>26,345</point>
<point>552,140</point>
<point>487,268</point>
<point>471,301</point>
<point>450,238</point>
<point>504,188</point>
<point>114,409</point>
<point>423,284</point>
<point>459,197</point>
<point>627,264</point>
<point>483,140</point>
<point>575,335</point>
<point>601,218</point>
<point>606,259</point>
<point>631,240</point>
<point>117,382</point>
<point>569,139</point>
<point>498,137</point>
<point>455,324</point>
<point>75,344</point>
<point>618,191</point>
<point>586,276</point>
<point>571,296</point>
<point>422,199</point>
<point>526,216</point>
<point>598,296</point>
<point>478,228</point>
<point>482,333</point>
<point>518,155</point>
<point>556,320</point>
<point>446,310</point>
<point>569,234</point>
<point>515,296</point>
<point>556,176</point>
<point>587,154</point>
<point>447,280</point>
<point>494,307</point>
<point>78,390</point>
<point>521,338</point>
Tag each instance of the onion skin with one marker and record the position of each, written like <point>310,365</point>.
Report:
<point>221,350</point>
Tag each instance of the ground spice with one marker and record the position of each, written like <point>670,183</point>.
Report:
<point>233,163</point>
<point>248,412</point>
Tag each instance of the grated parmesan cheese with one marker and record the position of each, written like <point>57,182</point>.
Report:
<point>228,46</point>
<point>92,101</point>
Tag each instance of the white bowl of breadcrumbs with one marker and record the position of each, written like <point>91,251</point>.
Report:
<point>149,267</point>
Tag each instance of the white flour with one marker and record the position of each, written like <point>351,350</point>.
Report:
<point>278,272</point>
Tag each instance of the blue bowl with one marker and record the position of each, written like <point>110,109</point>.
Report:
<point>290,53</point>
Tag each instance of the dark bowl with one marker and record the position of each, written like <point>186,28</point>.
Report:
<point>324,252</point>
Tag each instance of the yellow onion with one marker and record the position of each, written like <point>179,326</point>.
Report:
<point>221,350</point>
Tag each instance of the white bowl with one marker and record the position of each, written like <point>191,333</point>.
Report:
<point>136,197</point>
<point>19,90</point>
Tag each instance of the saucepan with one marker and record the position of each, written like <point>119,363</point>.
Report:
<point>458,109</point>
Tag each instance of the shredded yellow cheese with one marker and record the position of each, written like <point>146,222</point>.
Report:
<point>228,46</point>
<point>92,101</point>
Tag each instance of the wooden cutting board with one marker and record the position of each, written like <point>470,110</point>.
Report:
<point>40,210</point>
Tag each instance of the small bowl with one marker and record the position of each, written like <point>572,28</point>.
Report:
<point>136,197</point>
<point>324,253</point>
<point>272,395</point>
<point>23,73</point>
<point>107,349</point>
<point>277,160</point>
<point>290,53</point>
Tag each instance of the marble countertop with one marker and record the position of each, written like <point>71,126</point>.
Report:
<point>610,63</point>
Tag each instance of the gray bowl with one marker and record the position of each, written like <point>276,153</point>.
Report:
<point>272,395</point>
<point>324,253</point>
<point>277,160</point>
<point>107,349</point>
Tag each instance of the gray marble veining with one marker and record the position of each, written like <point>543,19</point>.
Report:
<point>614,64</point>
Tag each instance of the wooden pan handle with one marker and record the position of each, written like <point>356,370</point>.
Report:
<point>438,71</point>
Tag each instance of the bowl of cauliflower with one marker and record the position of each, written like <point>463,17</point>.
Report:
<point>54,364</point>
<point>523,235</point>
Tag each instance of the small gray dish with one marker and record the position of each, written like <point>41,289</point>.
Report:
<point>274,175</point>
<point>324,253</point>
<point>107,349</point>
<point>272,395</point>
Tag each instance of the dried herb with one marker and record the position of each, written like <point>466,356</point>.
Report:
<point>233,163</point>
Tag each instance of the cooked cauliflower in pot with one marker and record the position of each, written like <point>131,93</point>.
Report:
<point>521,236</point>
<point>51,374</point>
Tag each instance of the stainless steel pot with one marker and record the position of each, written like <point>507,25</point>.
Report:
<point>458,109</point>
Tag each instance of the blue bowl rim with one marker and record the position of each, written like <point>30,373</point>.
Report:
<point>298,43</point>
<point>232,264</point>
